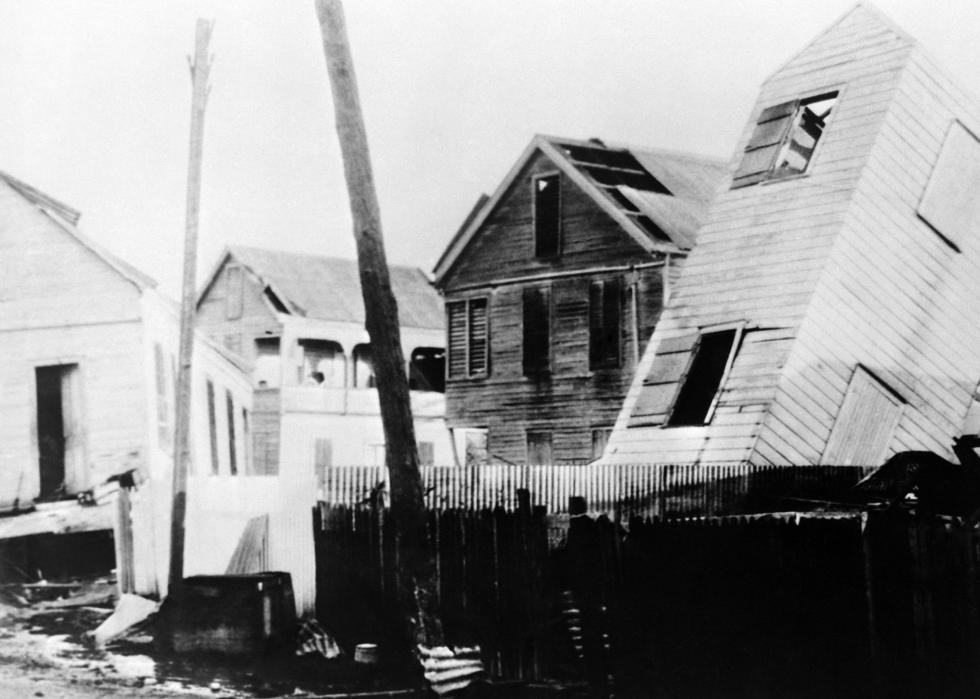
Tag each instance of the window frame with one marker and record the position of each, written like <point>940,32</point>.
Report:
<point>234,303</point>
<point>599,363</point>
<point>739,328</point>
<point>556,174</point>
<point>768,176</point>
<point>468,372</point>
<point>548,359</point>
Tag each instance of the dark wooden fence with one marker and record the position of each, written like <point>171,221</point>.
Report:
<point>619,490</point>
<point>857,604</point>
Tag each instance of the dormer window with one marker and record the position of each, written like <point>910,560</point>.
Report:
<point>547,215</point>
<point>784,140</point>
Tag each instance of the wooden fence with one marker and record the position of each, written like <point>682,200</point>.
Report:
<point>618,490</point>
<point>847,604</point>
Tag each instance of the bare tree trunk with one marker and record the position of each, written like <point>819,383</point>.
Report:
<point>200,67</point>
<point>417,574</point>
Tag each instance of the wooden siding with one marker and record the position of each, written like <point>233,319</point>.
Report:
<point>761,258</point>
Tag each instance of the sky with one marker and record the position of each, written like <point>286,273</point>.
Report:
<point>95,107</point>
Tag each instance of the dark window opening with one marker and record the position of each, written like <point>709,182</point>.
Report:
<point>784,140</point>
<point>605,323</point>
<point>234,292</point>
<point>268,369</point>
<point>539,448</point>
<point>212,428</point>
<point>324,364</point>
<point>363,367</point>
<point>232,450</point>
<point>468,338</point>
<point>704,377</point>
<point>652,228</point>
<point>537,330</point>
<point>427,369</point>
<point>547,215</point>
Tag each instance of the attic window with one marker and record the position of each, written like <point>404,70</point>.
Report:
<point>547,215</point>
<point>234,292</point>
<point>784,140</point>
<point>706,373</point>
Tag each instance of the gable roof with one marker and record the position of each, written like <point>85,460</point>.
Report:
<point>658,197</point>
<point>329,288</point>
<point>67,219</point>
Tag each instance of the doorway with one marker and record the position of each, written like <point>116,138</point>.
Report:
<point>58,442</point>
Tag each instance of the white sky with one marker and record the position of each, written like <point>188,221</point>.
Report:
<point>96,98</point>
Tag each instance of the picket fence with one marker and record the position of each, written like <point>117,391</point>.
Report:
<point>615,489</point>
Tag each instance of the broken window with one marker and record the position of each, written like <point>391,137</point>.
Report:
<point>427,369</point>
<point>212,427</point>
<point>539,448</point>
<point>232,443</point>
<point>234,292</point>
<point>363,367</point>
<point>324,363</point>
<point>706,373</point>
<point>267,370</point>
<point>547,215</point>
<point>784,140</point>
<point>605,323</point>
<point>468,332</point>
<point>537,330</point>
<point>865,423</point>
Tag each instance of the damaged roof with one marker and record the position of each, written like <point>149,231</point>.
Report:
<point>329,288</point>
<point>659,197</point>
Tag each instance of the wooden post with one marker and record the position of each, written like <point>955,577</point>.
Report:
<point>200,68</point>
<point>381,320</point>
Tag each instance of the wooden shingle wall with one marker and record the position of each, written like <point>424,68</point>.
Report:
<point>896,297</point>
<point>761,255</point>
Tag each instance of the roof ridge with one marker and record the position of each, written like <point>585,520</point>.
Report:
<point>622,145</point>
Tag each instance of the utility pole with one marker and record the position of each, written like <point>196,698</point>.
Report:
<point>417,569</point>
<point>200,68</point>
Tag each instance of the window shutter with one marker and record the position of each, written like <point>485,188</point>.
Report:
<point>864,425</point>
<point>478,354</point>
<point>760,153</point>
<point>456,322</point>
<point>605,303</point>
<point>537,329</point>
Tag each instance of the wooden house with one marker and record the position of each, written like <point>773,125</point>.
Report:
<point>825,316</point>
<point>552,288</point>
<point>299,321</point>
<point>87,411</point>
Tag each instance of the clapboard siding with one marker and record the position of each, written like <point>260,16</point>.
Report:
<point>764,253</point>
<point>238,334</point>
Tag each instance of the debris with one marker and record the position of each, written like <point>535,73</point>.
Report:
<point>366,654</point>
<point>448,670</point>
<point>312,638</point>
<point>131,610</point>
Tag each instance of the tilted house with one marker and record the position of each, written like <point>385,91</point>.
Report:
<point>299,321</point>
<point>553,286</point>
<point>88,371</point>
<point>826,315</point>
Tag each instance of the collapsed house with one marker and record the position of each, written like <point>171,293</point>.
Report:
<point>824,316</point>
<point>299,321</point>
<point>86,435</point>
<point>552,287</point>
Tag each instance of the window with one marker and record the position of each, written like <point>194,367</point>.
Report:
<point>537,330</point>
<point>605,321</point>
<point>234,292</point>
<point>426,454</point>
<point>784,140</point>
<point>165,400</point>
<point>539,448</point>
<point>949,204</point>
<point>467,327</point>
<point>600,438</point>
<point>547,215</point>
<point>363,367</point>
<point>473,444</point>
<point>213,428</point>
<point>267,365</point>
<point>427,369</point>
<point>323,363</point>
<point>246,443</point>
<point>865,423</point>
<point>706,373</point>
<point>232,445</point>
